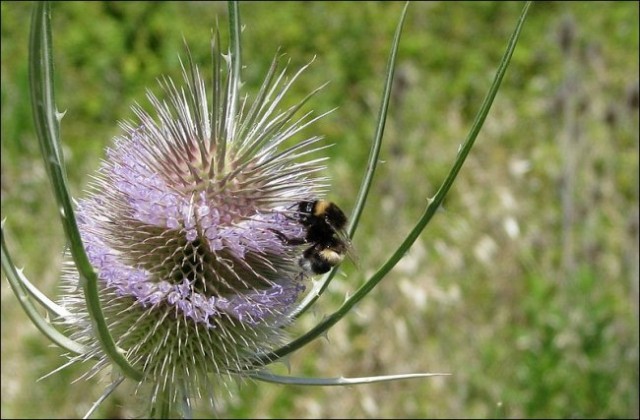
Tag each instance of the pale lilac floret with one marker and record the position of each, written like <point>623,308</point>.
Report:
<point>251,307</point>
<point>259,305</point>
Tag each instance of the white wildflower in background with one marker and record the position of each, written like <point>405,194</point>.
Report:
<point>184,224</point>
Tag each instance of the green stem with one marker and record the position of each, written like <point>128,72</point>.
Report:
<point>43,324</point>
<point>236,67</point>
<point>46,121</point>
<point>372,164</point>
<point>430,210</point>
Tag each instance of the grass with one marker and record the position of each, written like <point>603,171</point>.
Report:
<point>525,286</point>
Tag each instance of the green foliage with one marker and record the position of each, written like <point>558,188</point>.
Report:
<point>525,286</point>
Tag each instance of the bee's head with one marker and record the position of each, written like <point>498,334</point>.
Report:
<point>306,211</point>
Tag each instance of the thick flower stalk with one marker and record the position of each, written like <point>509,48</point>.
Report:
<point>184,224</point>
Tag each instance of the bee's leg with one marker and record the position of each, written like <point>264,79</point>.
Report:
<point>296,213</point>
<point>289,241</point>
<point>295,219</point>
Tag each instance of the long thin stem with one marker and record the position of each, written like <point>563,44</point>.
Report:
<point>341,381</point>
<point>430,210</point>
<point>372,163</point>
<point>236,66</point>
<point>44,325</point>
<point>46,120</point>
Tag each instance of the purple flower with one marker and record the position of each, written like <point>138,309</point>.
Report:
<point>184,224</point>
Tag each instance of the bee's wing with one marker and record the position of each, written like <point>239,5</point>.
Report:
<point>349,249</point>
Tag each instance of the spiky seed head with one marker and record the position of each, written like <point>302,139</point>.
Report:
<point>184,223</point>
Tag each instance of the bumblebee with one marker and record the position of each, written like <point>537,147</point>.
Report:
<point>325,226</point>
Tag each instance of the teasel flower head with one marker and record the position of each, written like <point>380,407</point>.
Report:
<point>184,224</point>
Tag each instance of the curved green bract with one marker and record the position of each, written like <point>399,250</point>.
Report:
<point>341,381</point>
<point>15,281</point>
<point>319,287</point>
<point>430,210</point>
<point>46,121</point>
<point>236,65</point>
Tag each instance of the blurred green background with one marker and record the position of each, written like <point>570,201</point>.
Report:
<point>525,286</point>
